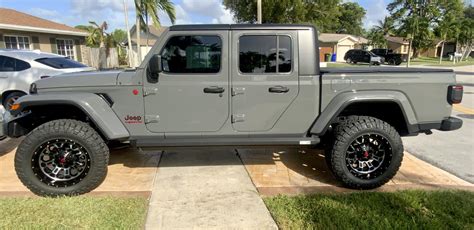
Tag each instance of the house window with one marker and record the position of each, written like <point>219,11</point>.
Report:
<point>17,42</point>
<point>404,49</point>
<point>66,47</point>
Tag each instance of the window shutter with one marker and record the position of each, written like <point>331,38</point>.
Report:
<point>77,43</point>
<point>35,41</point>
<point>54,47</point>
<point>2,42</point>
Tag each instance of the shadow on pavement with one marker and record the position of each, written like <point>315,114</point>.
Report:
<point>8,144</point>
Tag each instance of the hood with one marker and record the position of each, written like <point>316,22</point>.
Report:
<point>80,79</point>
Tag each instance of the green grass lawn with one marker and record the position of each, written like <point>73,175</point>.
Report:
<point>374,210</point>
<point>73,213</point>
<point>435,62</point>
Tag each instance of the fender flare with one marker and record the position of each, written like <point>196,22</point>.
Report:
<point>341,101</point>
<point>94,106</point>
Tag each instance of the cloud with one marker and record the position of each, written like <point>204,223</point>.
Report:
<point>376,10</point>
<point>208,8</point>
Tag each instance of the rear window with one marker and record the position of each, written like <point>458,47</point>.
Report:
<point>60,63</point>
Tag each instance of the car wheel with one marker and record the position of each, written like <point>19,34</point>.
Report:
<point>398,62</point>
<point>349,61</point>
<point>11,98</point>
<point>366,154</point>
<point>62,157</point>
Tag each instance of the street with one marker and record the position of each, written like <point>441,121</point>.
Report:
<point>451,151</point>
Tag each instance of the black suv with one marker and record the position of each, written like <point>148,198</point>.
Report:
<point>358,55</point>
<point>390,57</point>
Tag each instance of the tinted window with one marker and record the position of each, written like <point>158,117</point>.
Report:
<point>192,54</point>
<point>8,64</point>
<point>60,63</point>
<point>258,54</point>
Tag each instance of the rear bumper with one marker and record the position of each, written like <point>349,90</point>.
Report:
<point>450,124</point>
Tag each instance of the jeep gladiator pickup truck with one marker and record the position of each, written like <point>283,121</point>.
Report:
<point>227,85</point>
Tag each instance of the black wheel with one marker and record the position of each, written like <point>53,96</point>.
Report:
<point>398,62</point>
<point>62,157</point>
<point>11,98</point>
<point>367,152</point>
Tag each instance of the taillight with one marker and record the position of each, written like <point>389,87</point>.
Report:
<point>455,94</point>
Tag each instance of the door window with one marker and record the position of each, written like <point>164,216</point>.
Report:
<point>258,54</point>
<point>192,54</point>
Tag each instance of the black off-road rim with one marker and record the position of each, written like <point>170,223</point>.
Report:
<point>368,156</point>
<point>61,162</point>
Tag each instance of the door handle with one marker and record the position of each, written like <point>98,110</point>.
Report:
<point>278,89</point>
<point>214,89</point>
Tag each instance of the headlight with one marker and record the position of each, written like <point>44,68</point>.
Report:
<point>33,89</point>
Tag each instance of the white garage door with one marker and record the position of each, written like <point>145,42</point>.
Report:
<point>341,51</point>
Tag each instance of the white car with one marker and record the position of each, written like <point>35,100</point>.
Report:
<point>20,68</point>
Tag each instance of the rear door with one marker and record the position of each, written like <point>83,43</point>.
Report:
<point>192,92</point>
<point>264,77</point>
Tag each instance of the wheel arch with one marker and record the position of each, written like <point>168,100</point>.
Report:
<point>389,106</point>
<point>82,106</point>
<point>7,92</point>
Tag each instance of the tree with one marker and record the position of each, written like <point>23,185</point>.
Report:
<point>448,26</point>
<point>377,38</point>
<point>150,8</point>
<point>466,31</point>
<point>350,19</point>
<point>386,27</point>
<point>414,19</point>
<point>98,35</point>
<point>324,14</point>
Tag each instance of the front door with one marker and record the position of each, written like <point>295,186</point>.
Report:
<point>192,92</point>
<point>264,78</point>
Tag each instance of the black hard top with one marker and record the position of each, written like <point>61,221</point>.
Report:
<point>240,27</point>
<point>378,69</point>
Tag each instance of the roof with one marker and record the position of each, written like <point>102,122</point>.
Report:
<point>15,20</point>
<point>28,55</point>
<point>399,40</point>
<point>240,27</point>
<point>330,38</point>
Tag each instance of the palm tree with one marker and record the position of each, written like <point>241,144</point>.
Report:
<point>99,36</point>
<point>150,8</point>
<point>386,26</point>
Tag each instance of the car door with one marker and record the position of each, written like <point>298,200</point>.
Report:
<point>365,56</point>
<point>7,72</point>
<point>264,78</point>
<point>192,91</point>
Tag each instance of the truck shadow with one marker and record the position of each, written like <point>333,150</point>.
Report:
<point>9,144</point>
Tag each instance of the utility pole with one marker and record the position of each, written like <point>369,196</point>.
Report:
<point>129,53</point>
<point>259,11</point>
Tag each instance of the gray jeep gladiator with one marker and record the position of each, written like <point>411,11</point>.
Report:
<point>228,85</point>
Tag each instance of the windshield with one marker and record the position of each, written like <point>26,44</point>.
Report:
<point>60,63</point>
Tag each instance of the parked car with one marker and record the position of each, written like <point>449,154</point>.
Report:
<point>20,68</point>
<point>390,57</point>
<point>355,56</point>
<point>226,85</point>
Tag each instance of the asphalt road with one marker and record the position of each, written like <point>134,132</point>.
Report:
<point>452,151</point>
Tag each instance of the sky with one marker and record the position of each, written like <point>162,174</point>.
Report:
<point>80,12</point>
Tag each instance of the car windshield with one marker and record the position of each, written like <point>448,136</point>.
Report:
<point>60,63</point>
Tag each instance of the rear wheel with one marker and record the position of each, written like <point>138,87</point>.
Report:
<point>11,98</point>
<point>62,157</point>
<point>366,154</point>
<point>349,61</point>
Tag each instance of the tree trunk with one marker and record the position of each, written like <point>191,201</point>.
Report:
<point>102,56</point>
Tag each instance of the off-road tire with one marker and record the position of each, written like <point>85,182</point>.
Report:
<point>345,133</point>
<point>77,131</point>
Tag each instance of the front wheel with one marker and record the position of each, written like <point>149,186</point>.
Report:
<point>62,157</point>
<point>366,154</point>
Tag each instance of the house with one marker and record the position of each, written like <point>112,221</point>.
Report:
<point>435,49</point>
<point>23,31</point>
<point>399,45</point>
<point>340,44</point>
<point>147,39</point>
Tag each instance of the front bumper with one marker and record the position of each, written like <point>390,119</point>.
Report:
<point>450,124</point>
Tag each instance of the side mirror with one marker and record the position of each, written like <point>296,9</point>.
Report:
<point>155,66</point>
